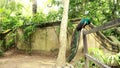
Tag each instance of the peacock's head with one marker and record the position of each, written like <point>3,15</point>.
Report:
<point>87,21</point>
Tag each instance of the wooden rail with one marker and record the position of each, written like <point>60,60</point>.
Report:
<point>104,26</point>
<point>96,29</point>
<point>96,61</point>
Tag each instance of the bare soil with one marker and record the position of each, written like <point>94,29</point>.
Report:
<point>13,59</point>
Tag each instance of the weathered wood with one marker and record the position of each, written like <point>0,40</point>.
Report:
<point>96,29</point>
<point>96,61</point>
<point>85,50</point>
<point>104,39</point>
<point>104,26</point>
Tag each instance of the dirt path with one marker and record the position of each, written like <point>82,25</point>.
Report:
<point>26,61</point>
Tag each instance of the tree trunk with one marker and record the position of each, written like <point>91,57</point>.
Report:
<point>61,60</point>
<point>34,6</point>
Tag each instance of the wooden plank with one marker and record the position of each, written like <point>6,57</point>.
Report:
<point>96,61</point>
<point>110,24</point>
<point>85,50</point>
<point>104,39</point>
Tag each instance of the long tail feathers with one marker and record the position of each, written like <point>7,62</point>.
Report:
<point>74,44</point>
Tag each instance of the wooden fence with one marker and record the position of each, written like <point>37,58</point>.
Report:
<point>88,57</point>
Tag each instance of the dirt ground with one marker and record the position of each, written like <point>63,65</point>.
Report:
<point>19,60</point>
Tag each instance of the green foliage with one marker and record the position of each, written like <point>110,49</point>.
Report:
<point>80,63</point>
<point>111,60</point>
<point>118,58</point>
<point>112,32</point>
<point>28,31</point>
<point>98,11</point>
<point>10,40</point>
<point>11,18</point>
<point>1,50</point>
<point>9,44</point>
<point>75,8</point>
<point>38,18</point>
<point>54,16</point>
<point>70,27</point>
<point>98,54</point>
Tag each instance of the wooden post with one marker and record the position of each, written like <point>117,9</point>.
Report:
<point>85,49</point>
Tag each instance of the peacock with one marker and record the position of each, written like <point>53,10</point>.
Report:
<point>76,37</point>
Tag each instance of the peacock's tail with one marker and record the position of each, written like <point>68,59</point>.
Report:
<point>74,44</point>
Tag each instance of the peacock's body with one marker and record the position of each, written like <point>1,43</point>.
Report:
<point>76,37</point>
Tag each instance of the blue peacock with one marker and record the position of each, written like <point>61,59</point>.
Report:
<point>76,38</point>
